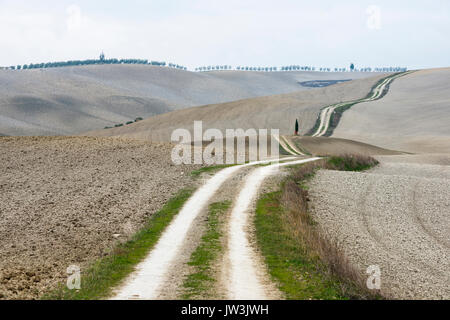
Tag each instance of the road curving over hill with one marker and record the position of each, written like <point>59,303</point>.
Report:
<point>325,123</point>
<point>268,112</point>
<point>414,116</point>
<point>71,100</point>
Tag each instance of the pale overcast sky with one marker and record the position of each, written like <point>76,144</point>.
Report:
<point>331,33</point>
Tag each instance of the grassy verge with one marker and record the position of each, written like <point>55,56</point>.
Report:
<point>97,281</point>
<point>316,124</point>
<point>295,272</point>
<point>305,263</point>
<point>338,112</point>
<point>350,163</point>
<point>336,117</point>
<point>283,152</point>
<point>199,283</point>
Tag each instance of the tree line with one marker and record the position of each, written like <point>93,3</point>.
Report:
<point>102,60</point>
<point>210,68</point>
<point>300,68</point>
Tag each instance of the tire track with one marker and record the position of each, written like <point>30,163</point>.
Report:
<point>362,210</point>
<point>292,146</point>
<point>283,145</point>
<point>421,223</point>
<point>377,93</point>
<point>247,276</point>
<point>150,275</point>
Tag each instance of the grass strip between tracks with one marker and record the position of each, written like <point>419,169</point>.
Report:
<point>339,111</point>
<point>199,283</point>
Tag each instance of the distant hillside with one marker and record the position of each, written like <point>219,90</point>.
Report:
<point>414,116</point>
<point>71,100</point>
<point>277,112</point>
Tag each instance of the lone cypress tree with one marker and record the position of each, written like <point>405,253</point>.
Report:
<point>296,126</point>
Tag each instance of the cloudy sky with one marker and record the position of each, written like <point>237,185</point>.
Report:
<point>410,33</point>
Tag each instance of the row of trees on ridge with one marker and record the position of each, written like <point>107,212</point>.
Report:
<point>101,60</point>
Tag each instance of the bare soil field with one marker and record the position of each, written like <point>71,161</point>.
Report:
<point>71,100</point>
<point>324,146</point>
<point>395,216</point>
<point>276,111</point>
<point>414,116</point>
<point>67,200</point>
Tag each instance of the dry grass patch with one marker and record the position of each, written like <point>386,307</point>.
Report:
<point>326,253</point>
<point>301,258</point>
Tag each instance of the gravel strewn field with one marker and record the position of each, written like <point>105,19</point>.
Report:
<point>396,216</point>
<point>68,200</point>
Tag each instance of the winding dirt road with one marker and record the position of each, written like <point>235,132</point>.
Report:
<point>151,274</point>
<point>245,274</point>
<point>376,93</point>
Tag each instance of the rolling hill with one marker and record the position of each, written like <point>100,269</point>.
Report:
<point>71,100</point>
<point>276,111</point>
<point>414,116</point>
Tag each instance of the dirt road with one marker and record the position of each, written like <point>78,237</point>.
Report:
<point>247,277</point>
<point>150,276</point>
<point>376,93</point>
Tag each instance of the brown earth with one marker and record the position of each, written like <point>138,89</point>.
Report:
<point>324,146</point>
<point>414,116</point>
<point>395,216</point>
<point>270,112</point>
<point>68,200</point>
<point>71,100</point>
